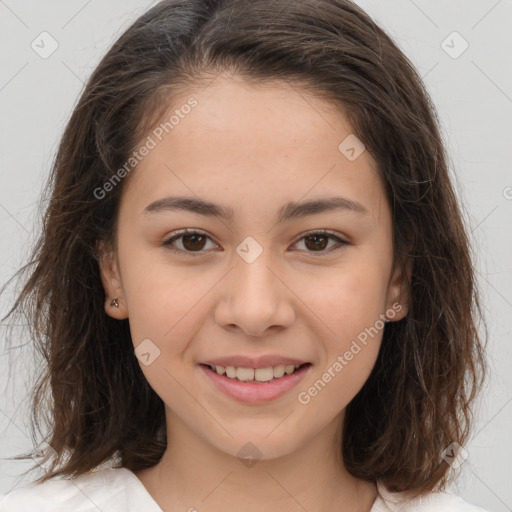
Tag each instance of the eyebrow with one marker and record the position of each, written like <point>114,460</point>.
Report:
<point>289,211</point>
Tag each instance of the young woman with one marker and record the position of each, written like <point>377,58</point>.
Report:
<point>253,289</point>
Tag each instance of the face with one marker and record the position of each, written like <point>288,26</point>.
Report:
<point>261,280</point>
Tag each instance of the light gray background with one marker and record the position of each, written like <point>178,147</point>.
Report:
<point>473,93</point>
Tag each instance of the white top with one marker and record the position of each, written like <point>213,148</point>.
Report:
<point>119,490</point>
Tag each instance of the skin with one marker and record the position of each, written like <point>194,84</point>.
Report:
<point>254,149</point>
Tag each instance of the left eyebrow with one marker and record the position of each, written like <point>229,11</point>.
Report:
<point>291,210</point>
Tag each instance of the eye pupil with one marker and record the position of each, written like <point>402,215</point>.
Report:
<point>316,239</point>
<point>194,238</point>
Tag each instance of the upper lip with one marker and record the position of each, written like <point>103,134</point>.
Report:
<point>254,362</point>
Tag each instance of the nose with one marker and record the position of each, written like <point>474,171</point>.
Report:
<point>255,298</point>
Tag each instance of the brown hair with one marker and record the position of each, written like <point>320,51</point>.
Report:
<point>417,399</point>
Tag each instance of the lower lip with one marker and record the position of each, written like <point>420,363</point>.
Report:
<point>254,392</point>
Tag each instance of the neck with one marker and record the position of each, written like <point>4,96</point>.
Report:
<point>195,476</point>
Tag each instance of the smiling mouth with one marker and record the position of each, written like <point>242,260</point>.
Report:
<point>255,375</point>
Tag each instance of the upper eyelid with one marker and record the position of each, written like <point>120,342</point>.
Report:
<point>188,231</point>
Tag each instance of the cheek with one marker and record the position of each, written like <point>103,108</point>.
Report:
<point>352,296</point>
<point>350,307</point>
<point>163,300</point>
<point>341,380</point>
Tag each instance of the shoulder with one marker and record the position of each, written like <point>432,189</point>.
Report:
<point>432,502</point>
<point>98,490</point>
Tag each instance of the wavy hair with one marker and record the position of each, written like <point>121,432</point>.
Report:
<point>92,395</point>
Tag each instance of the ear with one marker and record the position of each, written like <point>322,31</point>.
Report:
<point>112,282</point>
<point>398,298</point>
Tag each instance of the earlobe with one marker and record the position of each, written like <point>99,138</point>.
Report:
<point>115,305</point>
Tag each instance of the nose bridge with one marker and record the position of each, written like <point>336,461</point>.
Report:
<point>253,279</point>
<point>255,297</point>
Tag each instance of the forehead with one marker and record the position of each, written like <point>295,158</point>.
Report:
<point>250,141</point>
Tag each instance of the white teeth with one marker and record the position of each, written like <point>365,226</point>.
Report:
<point>264,374</point>
<point>289,369</point>
<point>259,374</point>
<point>245,373</point>
<point>278,371</point>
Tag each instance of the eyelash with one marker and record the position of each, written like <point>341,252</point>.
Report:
<point>167,243</point>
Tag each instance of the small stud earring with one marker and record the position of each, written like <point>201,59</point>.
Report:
<point>115,303</point>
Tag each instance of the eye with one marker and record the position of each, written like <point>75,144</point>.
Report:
<point>317,241</point>
<point>193,241</point>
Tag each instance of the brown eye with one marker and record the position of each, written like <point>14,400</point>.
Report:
<point>318,241</point>
<point>192,243</point>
